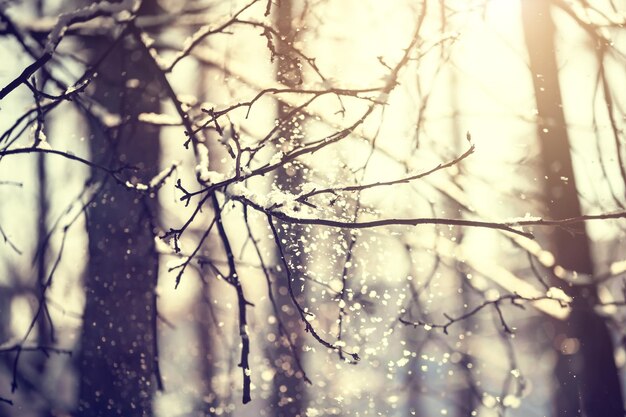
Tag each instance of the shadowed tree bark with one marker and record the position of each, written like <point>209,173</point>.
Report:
<point>5,334</point>
<point>45,331</point>
<point>207,355</point>
<point>588,379</point>
<point>288,386</point>
<point>5,313</point>
<point>118,357</point>
<point>206,330</point>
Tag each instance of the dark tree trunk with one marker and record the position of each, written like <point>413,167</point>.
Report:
<point>588,379</point>
<point>5,313</point>
<point>45,334</point>
<point>117,363</point>
<point>288,385</point>
<point>44,330</point>
<point>206,333</point>
<point>5,335</point>
<point>206,330</point>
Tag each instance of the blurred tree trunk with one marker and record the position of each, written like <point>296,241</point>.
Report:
<point>5,335</point>
<point>588,379</point>
<point>414,378</point>
<point>288,386</point>
<point>466,397</point>
<point>206,331</point>
<point>5,313</point>
<point>117,363</point>
<point>45,331</point>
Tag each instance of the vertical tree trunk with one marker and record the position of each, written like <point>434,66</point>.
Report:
<point>5,313</point>
<point>206,333</point>
<point>5,335</point>
<point>465,396</point>
<point>117,362</point>
<point>288,387</point>
<point>588,379</point>
<point>44,329</point>
<point>44,332</point>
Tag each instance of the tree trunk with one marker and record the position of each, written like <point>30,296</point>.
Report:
<point>206,333</point>
<point>5,313</point>
<point>45,334</point>
<point>118,357</point>
<point>465,397</point>
<point>287,397</point>
<point>588,379</point>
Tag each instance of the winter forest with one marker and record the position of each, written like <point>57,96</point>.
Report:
<point>308,208</point>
